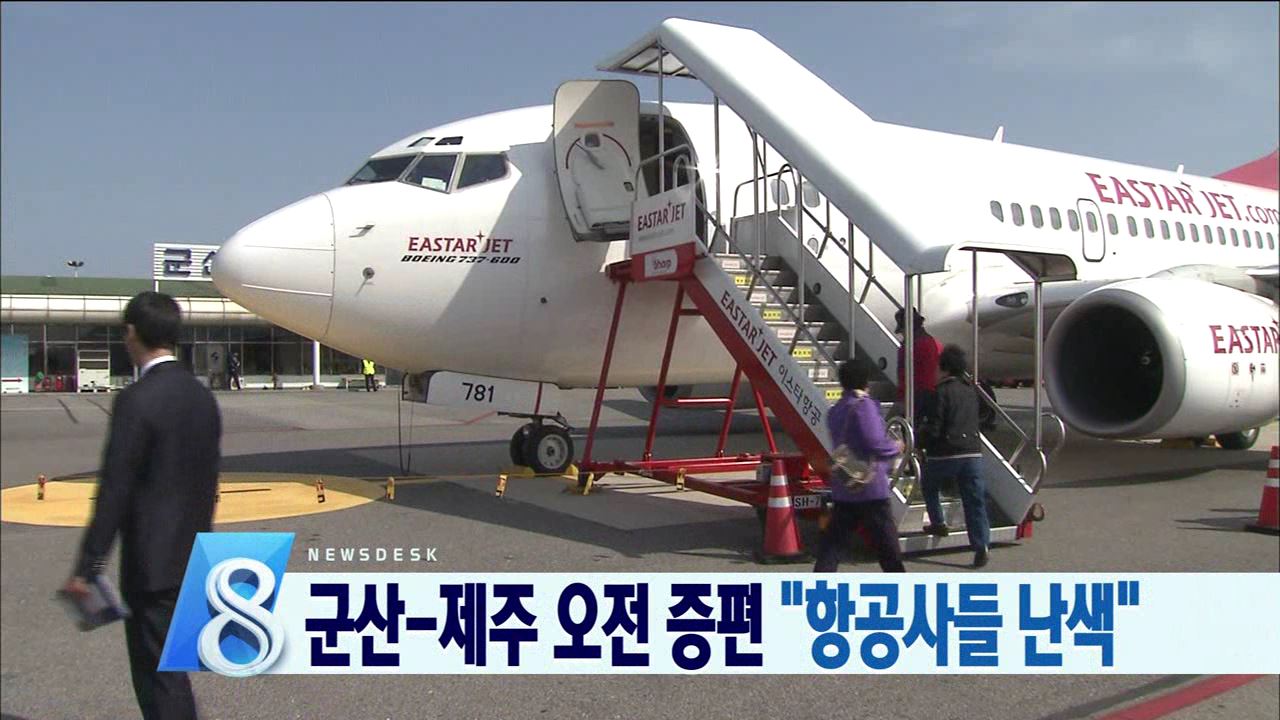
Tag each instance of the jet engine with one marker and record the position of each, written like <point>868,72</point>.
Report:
<point>1164,357</point>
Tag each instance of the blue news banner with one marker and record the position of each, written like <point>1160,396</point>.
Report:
<point>239,614</point>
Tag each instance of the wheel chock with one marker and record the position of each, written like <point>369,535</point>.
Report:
<point>390,489</point>
<point>570,472</point>
<point>583,487</point>
<point>502,486</point>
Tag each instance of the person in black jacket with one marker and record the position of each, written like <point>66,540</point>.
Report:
<point>158,483</point>
<point>949,436</point>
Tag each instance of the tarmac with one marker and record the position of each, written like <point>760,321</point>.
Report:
<point>1111,507</point>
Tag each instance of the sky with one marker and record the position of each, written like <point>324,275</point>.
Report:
<point>123,125</point>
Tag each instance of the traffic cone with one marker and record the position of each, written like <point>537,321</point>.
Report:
<point>781,534</point>
<point>390,489</point>
<point>40,482</point>
<point>1269,511</point>
<point>319,491</point>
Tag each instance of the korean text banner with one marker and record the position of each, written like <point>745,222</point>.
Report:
<point>239,614</point>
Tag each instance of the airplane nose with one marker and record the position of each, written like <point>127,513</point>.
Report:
<point>281,266</point>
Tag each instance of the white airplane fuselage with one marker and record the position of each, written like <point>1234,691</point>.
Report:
<point>488,279</point>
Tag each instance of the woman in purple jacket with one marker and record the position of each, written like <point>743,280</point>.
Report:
<point>856,422</point>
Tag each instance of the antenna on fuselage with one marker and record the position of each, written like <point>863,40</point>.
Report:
<point>999,137</point>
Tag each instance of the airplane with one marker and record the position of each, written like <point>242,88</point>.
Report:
<point>478,247</point>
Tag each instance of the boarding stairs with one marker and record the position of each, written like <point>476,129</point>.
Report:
<point>810,317</point>
<point>826,142</point>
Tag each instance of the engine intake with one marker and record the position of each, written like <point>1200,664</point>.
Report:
<point>1139,359</point>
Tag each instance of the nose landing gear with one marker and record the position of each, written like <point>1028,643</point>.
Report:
<point>544,448</point>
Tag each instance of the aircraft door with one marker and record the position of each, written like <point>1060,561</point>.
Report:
<point>1093,232</point>
<point>597,147</point>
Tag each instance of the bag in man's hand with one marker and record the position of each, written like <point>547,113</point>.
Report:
<point>848,469</point>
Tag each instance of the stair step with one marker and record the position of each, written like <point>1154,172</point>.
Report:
<point>786,330</point>
<point>771,310</point>
<point>915,541</point>
<point>817,369</point>
<point>805,350</point>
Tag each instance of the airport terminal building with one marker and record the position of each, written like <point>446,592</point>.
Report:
<point>63,334</point>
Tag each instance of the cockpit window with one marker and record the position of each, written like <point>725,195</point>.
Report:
<point>381,169</point>
<point>482,168</point>
<point>433,172</point>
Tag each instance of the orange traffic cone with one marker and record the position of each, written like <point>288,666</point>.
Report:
<point>1269,511</point>
<point>781,534</point>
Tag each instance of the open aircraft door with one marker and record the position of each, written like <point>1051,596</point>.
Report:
<point>597,148</point>
<point>1093,232</point>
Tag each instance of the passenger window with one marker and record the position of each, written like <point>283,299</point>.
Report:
<point>1235,239</point>
<point>1195,234</point>
<point>1092,222</point>
<point>1017,214</point>
<point>1037,217</point>
<point>1073,221</point>
<point>1246,239</point>
<point>811,196</point>
<point>1222,237</point>
<point>478,169</point>
<point>1055,218</point>
<point>1151,230</point>
<point>1164,229</point>
<point>1113,225</point>
<point>1182,234</point>
<point>1133,226</point>
<point>997,211</point>
<point>781,192</point>
<point>1271,241</point>
<point>381,170</point>
<point>433,172</point>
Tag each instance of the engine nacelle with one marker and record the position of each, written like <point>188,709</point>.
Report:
<point>1164,357</point>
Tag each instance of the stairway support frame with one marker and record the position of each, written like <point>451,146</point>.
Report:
<point>682,471</point>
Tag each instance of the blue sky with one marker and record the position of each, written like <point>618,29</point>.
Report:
<point>123,125</point>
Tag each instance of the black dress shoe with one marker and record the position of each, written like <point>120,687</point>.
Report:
<point>980,558</point>
<point>939,530</point>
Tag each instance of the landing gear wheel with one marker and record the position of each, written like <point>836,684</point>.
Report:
<point>548,449</point>
<point>517,444</point>
<point>1242,440</point>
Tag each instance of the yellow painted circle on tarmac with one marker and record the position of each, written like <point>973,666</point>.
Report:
<point>243,497</point>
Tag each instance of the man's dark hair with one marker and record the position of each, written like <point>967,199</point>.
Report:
<point>916,317</point>
<point>156,318</point>
<point>854,374</point>
<point>953,361</point>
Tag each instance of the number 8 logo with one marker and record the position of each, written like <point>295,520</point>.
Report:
<point>247,613</point>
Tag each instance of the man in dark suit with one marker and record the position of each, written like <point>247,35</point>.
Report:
<point>158,482</point>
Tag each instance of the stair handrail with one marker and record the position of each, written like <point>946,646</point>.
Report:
<point>1024,439</point>
<point>730,243</point>
<point>845,248</point>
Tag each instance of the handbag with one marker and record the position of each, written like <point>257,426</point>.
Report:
<point>847,468</point>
